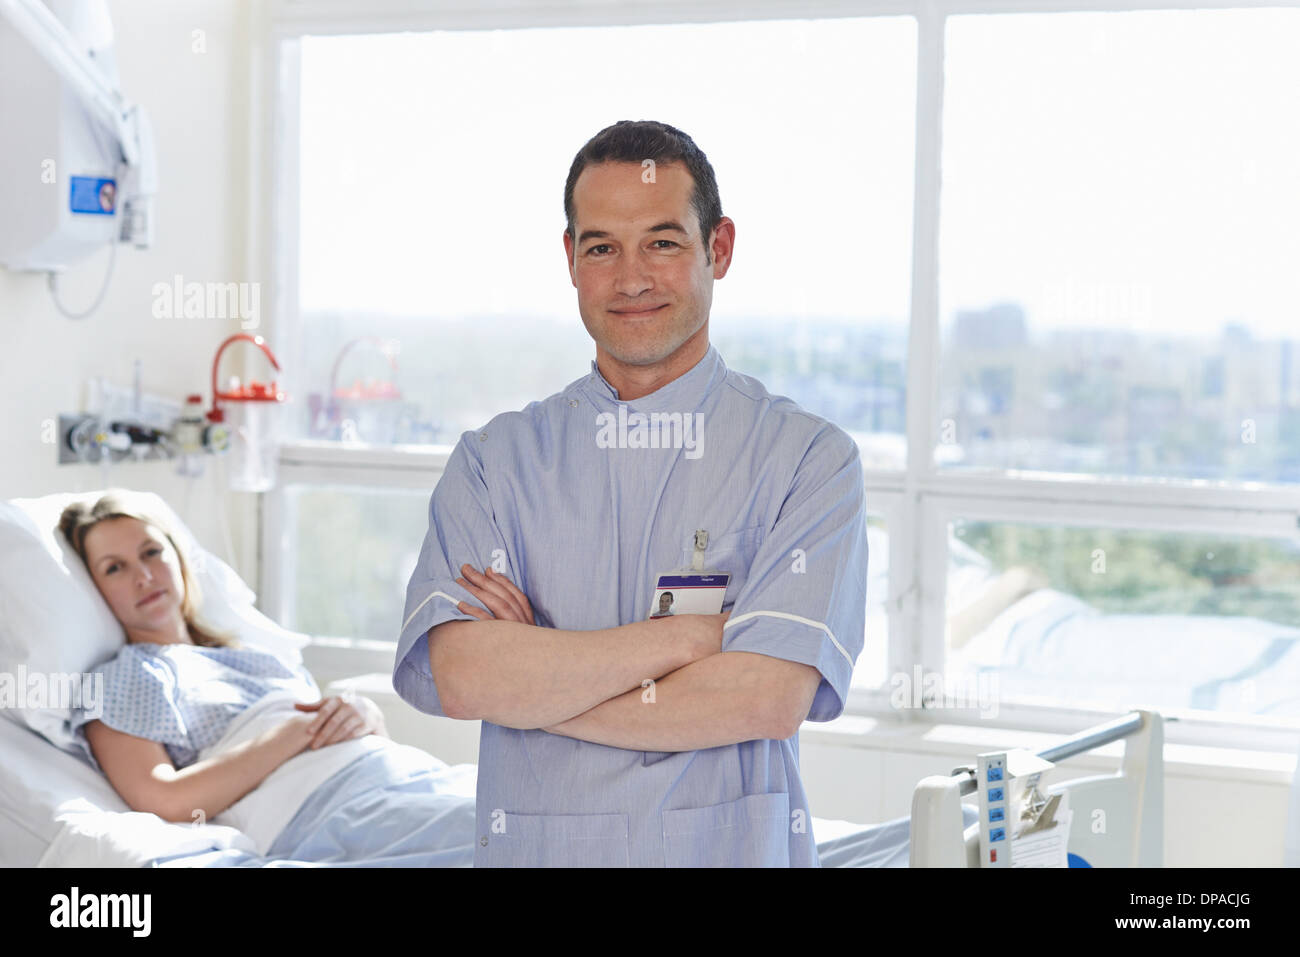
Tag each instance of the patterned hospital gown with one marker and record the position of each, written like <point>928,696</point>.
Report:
<point>185,696</point>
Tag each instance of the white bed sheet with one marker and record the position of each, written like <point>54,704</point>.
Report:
<point>40,779</point>
<point>55,808</point>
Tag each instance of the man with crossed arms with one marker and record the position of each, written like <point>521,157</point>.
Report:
<point>609,738</point>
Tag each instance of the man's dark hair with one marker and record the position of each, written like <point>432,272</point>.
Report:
<point>633,141</point>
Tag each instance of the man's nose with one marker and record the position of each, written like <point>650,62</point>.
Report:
<point>633,277</point>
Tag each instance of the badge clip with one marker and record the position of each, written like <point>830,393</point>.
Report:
<point>701,543</point>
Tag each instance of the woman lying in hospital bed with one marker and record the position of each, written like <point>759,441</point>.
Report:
<point>195,727</point>
<point>203,729</point>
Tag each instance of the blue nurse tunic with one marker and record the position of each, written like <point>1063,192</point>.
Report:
<point>585,527</point>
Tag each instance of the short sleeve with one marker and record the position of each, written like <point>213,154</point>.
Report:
<point>140,699</point>
<point>462,531</point>
<point>806,594</point>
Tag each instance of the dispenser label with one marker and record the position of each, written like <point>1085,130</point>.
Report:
<point>93,195</point>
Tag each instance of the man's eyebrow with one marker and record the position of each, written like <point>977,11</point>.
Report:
<point>666,226</point>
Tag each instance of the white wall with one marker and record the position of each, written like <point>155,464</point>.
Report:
<point>199,105</point>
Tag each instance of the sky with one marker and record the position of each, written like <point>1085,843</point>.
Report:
<point>1148,158</point>
<point>1103,169</point>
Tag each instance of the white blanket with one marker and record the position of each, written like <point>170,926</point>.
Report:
<point>263,813</point>
<point>93,837</point>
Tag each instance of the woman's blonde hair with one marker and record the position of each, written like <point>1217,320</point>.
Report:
<point>79,518</point>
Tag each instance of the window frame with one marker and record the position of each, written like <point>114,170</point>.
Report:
<point>917,501</point>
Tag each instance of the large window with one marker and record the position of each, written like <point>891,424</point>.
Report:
<point>1039,264</point>
<point>1116,299</point>
<point>1120,232</point>
<point>1113,618</point>
<point>433,292</point>
<point>355,548</point>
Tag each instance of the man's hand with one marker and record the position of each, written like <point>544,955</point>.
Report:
<point>499,595</point>
<point>508,670</point>
<point>704,634</point>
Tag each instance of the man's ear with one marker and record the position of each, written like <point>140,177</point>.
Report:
<point>568,256</point>
<point>722,246</point>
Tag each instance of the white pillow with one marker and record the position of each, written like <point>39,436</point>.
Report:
<point>53,621</point>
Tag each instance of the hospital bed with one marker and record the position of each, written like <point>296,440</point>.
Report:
<point>57,809</point>
<point>1117,819</point>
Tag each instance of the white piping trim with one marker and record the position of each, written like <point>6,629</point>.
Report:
<point>433,595</point>
<point>803,621</point>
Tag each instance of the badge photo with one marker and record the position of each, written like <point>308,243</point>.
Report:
<point>678,593</point>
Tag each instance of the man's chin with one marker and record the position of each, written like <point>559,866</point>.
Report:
<point>643,352</point>
<point>639,355</point>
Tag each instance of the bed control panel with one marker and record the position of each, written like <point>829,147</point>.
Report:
<point>995,847</point>
<point>1017,821</point>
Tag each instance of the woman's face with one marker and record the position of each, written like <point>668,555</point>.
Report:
<point>139,574</point>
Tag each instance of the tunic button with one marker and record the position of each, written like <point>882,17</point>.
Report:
<point>573,402</point>
<point>483,841</point>
<point>482,436</point>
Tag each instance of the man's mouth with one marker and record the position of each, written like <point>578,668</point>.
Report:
<point>151,598</point>
<point>639,313</point>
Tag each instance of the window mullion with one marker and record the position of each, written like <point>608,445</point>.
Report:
<point>915,642</point>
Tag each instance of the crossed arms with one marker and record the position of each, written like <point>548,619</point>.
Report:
<point>593,685</point>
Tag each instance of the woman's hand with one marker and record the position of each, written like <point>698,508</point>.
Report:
<point>295,730</point>
<point>498,593</point>
<point>342,718</point>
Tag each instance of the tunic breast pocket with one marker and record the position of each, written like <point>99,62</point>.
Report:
<point>732,552</point>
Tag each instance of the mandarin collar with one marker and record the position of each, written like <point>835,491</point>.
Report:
<point>684,394</point>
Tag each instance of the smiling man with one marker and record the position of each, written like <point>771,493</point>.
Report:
<point>610,737</point>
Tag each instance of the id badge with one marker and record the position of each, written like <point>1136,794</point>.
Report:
<point>685,593</point>
<point>690,591</point>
